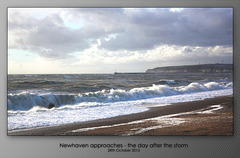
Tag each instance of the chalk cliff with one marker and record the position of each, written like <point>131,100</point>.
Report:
<point>206,68</point>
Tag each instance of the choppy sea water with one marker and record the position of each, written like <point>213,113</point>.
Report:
<point>85,97</point>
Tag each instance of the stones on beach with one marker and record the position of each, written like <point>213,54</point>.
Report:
<point>51,105</point>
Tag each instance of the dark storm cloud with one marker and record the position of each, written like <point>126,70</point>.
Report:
<point>191,27</point>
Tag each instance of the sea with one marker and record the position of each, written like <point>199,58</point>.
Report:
<point>86,97</point>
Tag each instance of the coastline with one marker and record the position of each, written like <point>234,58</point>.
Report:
<point>188,118</point>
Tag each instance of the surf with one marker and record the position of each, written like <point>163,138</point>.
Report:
<point>28,99</point>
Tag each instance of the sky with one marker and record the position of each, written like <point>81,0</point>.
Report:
<point>105,40</point>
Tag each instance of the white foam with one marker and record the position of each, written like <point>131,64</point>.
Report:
<point>87,111</point>
<point>213,108</point>
<point>67,77</point>
<point>27,100</point>
<point>169,81</point>
<point>213,86</point>
<point>38,118</point>
<point>29,75</point>
<point>159,122</point>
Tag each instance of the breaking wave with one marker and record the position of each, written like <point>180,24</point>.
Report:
<point>28,100</point>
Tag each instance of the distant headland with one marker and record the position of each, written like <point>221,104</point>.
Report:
<point>205,68</point>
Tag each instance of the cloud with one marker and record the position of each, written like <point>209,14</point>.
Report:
<point>58,34</point>
<point>160,54</point>
<point>47,37</point>
<point>191,27</point>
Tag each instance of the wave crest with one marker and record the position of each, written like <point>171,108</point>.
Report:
<point>26,101</point>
